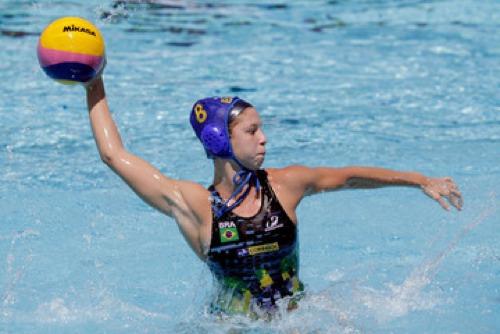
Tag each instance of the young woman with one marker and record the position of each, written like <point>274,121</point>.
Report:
<point>244,226</point>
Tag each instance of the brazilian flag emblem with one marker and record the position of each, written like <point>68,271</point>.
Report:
<point>228,234</point>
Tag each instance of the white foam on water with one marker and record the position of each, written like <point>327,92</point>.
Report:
<point>106,307</point>
<point>397,300</point>
<point>15,269</point>
<point>317,313</point>
<point>55,311</point>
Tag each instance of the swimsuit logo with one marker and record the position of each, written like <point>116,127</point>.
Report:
<point>242,252</point>
<point>272,224</point>
<point>228,232</point>
<point>266,248</point>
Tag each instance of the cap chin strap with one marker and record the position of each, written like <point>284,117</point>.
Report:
<point>242,177</point>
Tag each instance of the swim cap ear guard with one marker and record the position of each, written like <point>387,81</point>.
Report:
<point>210,121</point>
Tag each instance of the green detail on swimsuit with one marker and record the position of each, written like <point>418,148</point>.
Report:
<point>240,304</point>
<point>297,286</point>
<point>288,268</point>
<point>264,278</point>
<point>289,263</point>
<point>234,296</point>
<point>234,283</point>
<point>228,234</point>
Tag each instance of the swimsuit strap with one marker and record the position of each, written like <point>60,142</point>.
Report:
<point>240,179</point>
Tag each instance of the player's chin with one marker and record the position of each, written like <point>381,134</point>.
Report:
<point>259,160</point>
<point>254,162</point>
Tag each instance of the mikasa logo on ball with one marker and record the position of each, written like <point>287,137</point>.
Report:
<point>80,29</point>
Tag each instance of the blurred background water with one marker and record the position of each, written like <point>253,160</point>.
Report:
<point>409,85</point>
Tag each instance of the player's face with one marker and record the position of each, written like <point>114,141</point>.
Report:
<point>248,139</point>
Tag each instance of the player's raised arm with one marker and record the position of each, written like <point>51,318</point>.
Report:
<point>163,193</point>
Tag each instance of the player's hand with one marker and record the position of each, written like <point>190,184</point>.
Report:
<point>97,77</point>
<point>444,191</point>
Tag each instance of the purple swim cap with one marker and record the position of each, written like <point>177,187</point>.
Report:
<point>209,119</point>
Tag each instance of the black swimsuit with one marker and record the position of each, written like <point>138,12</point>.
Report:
<point>255,259</point>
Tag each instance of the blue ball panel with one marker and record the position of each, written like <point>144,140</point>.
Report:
<point>70,71</point>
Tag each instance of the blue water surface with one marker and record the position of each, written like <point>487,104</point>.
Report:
<point>409,85</point>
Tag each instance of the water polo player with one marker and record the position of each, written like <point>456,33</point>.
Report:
<point>244,226</point>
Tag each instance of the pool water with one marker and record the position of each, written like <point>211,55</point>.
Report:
<point>409,85</point>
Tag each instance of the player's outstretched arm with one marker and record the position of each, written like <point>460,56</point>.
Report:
<point>309,181</point>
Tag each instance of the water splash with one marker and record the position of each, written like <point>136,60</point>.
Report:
<point>319,312</point>
<point>409,296</point>
<point>15,273</point>
<point>105,306</point>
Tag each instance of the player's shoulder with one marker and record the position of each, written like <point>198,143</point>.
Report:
<point>191,192</point>
<point>193,197</point>
<point>291,170</point>
<point>291,174</point>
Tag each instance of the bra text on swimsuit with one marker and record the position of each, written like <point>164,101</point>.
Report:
<point>79,29</point>
<point>226,224</point>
